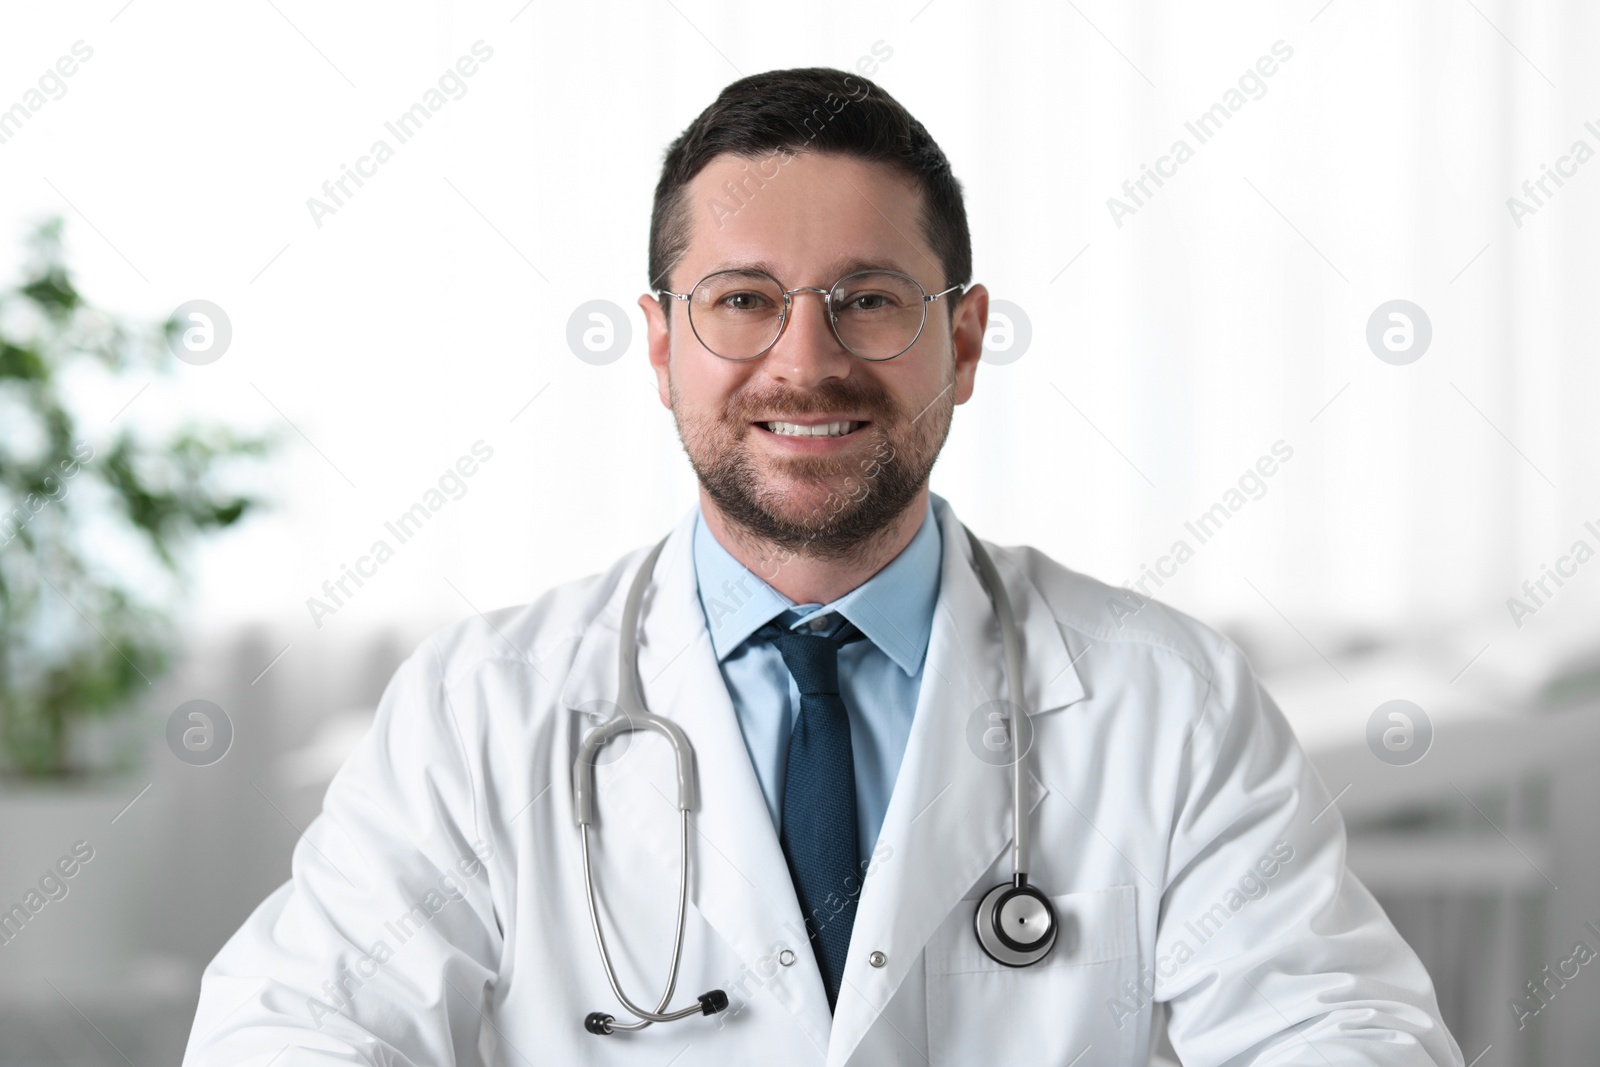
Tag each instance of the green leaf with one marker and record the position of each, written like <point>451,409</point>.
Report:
<point>163,493</point>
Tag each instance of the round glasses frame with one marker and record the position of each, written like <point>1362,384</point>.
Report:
<point>826,294</point>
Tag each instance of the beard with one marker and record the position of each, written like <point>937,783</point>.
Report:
<point>820,507</point>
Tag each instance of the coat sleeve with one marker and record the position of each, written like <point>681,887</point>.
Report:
<point>380,947</point>
<point>1269,950</point>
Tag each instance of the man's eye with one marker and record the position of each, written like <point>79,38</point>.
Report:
<point>743,301</point>
<point>867,302</point>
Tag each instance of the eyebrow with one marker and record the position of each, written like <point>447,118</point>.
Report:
<point>847,265</point>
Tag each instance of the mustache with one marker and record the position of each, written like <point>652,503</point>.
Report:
<point>831,396</point>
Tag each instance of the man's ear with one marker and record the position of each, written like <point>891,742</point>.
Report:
<point>660,345</point>
<point>967,333</point>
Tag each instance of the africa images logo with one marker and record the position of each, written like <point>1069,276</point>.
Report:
<point>451,85</point>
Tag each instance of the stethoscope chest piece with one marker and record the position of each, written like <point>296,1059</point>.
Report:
<point>1015,924</point>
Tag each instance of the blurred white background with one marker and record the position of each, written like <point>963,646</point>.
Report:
<point>1168,349</point>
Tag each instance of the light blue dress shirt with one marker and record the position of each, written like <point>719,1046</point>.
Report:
<point>879,678</point>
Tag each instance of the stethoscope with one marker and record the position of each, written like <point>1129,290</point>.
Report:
<point>1014,922</point>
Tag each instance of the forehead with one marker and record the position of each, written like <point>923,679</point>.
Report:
<point>806,220</point>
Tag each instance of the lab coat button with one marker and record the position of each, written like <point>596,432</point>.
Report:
<point>786,957</point>
<point>877,959</point>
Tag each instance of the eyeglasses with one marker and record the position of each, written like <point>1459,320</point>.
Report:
<point>875,314</point>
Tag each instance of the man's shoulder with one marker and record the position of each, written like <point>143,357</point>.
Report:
<point>542,634</point>
<point>1097,612</point>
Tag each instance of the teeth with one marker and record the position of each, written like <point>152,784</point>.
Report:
<point>825,429</point>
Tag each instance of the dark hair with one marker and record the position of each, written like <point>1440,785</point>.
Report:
<point>811,109</point>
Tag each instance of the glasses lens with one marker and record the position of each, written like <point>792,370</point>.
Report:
<point>878,313</point>
<point>736,314</point>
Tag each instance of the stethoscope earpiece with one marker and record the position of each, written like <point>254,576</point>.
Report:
<point>603,1023</point>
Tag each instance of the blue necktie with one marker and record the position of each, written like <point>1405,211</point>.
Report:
<point>819,798</point>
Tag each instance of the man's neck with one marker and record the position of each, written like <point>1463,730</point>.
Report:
<point>805,579</point>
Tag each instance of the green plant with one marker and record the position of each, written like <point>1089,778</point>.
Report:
<point>91,530</point>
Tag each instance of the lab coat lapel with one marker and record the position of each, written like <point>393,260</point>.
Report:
<point>739,880</point>
<point>949,815</point>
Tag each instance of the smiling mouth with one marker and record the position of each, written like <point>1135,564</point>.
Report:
<point>821,429</point>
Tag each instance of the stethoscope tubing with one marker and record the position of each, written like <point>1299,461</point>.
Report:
<point>632,715</point>
<point>660,1015</point>
<point>1013,664</point>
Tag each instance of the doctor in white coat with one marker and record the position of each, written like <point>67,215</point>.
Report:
<point>1193,861</point>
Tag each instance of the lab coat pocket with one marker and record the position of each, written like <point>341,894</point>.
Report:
<point>1052,1013</point>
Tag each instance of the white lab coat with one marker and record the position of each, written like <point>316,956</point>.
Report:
<point>1177,826</point>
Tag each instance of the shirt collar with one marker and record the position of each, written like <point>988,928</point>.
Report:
<point>893,608</point>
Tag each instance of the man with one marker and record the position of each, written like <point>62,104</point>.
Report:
<point>818,633</point>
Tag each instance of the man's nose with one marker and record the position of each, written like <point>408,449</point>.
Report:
<point>807,353</point>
